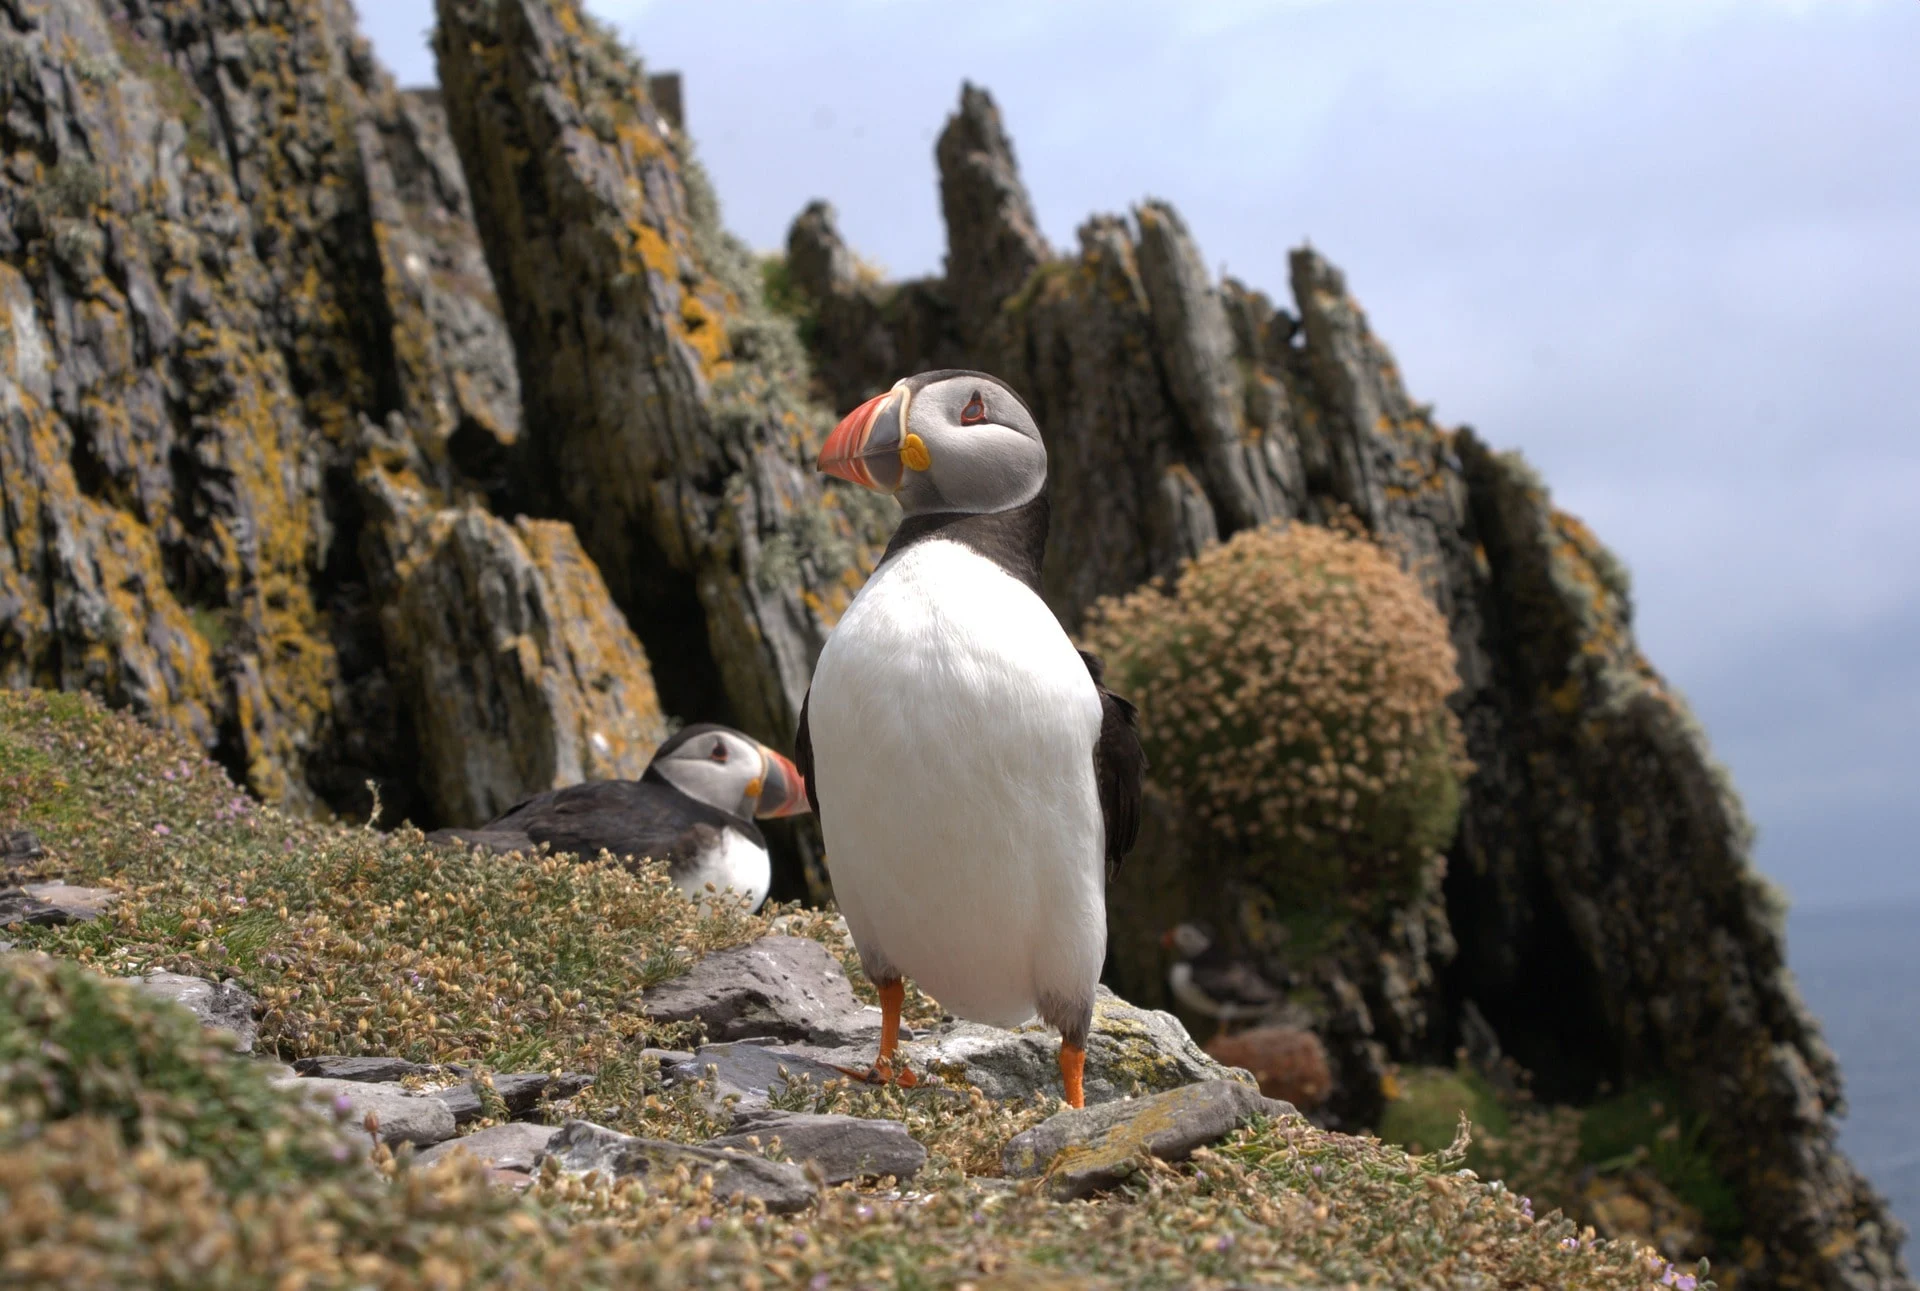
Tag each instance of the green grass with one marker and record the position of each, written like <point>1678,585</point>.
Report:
<point>1426,1112</point>
<point>1647,1125</point>
<point>134,1153</point>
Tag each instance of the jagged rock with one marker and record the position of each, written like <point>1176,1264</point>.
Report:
<point>993,237</point>
<point>522,1092</point>
<point>361,1067</point>
<point>842,1147</point>
<point>219,252</point>
<point>785,988</point>
<point>1085,1150</point>
<point>667,410</point>
<point>54,903</point>
<point>405,1116</point>
<point>220,1006</point>
<point>582,1147</point>
<point>1600,883</point>
<point>516,1145</point>
<point>751,1073</point>
<point>521,674</point>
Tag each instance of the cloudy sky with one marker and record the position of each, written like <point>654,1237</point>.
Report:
<point>1670,249</point>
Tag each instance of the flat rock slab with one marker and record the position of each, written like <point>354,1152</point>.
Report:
<point>782,988</point>
<point>515,1146</point>
<point>1086,1150</point>
<point>54,903</point>
<point>405,1117</point>
<point>361,1067</point>
<point>1131,1052</point>
<point>220,1006</point>
<point>843,1147</point>
<point>750,1072</point>
<point>521,1091</point>
<point>582,1147</point>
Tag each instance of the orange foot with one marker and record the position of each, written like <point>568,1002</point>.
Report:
<point>892,995</point>
<point>881,1073</point>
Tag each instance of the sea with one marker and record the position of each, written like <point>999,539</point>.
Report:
<point>1859,970</point>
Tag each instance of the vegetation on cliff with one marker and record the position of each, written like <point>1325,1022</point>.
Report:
<point>138,1150</point>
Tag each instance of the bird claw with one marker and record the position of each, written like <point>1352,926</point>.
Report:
<point>880,1074</point>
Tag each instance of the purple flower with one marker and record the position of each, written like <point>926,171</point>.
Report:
<point>704,1223</point>
<point>1223,1243</point>
<point>167,774</point>
<point>1685,1282</point>
<point>1526,1207</point>
<point>800,1241</point>
<point>340,1152</point>
<point>863,1212</point>
<point>1319,1170</point>
<point>162,830</point>
<point>342,1106</point>
<point>979,1217</point>
<point>1569,1243</point>
<point>820,1282</point>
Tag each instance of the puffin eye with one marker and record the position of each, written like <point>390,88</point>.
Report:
<point>975,412</point>
<point>719,753</point>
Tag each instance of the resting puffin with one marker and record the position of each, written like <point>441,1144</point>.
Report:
<point>693,808</point>
<point>975,782</point>
<point>1208,980</point>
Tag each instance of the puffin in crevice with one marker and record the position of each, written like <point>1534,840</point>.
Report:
<point>976,783</point>
<point>1208,980</point>
<point>693,807</point>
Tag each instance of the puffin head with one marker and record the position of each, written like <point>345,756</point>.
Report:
<point>1187,940</point>
<point>943,441</point>
<point>721,767</point>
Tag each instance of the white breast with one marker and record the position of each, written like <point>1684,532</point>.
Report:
<point>953,727</point>
<point>735,862</point>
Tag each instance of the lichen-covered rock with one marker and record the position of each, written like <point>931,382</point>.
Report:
<point>1083,1150</point>
<point>206,279</point>
<point>842,1148</point>
<point>783,988</point>
<point>220,1006</point>
<point>519,671</point>
<point>665,404</point>
<point>582,1147</point>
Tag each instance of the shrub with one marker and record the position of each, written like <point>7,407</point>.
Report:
<point>1292,686</point>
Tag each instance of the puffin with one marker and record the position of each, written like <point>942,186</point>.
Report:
<point>694,808</point>
<point>1208,981</point>
<point>976,782</point>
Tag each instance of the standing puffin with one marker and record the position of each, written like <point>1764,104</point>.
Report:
<point>1208,980</point>
<point>693,808</point>
<point>975,782</point>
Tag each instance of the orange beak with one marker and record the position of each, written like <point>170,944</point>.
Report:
<point>784,792</point>
<point>864,448</point>
<point>1166,940</point>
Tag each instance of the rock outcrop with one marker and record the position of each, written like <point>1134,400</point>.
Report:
<point>229,245</point>
<point>1599,906</point>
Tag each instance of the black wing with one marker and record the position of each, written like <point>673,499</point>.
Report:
<point>1119,767</point>
<point>625,817</point>
<point>1235,983</point>
<point>803,753</point>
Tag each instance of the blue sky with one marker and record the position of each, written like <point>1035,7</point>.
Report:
<point>1670,249</point>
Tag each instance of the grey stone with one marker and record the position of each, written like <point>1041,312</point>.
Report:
<point>462,1100</point>
<point>405,1117</point>
<point>513,1146</point>
<point>582,1147</point>
<point>20,845</point>
<point>220,1006</point>
<point>843,1147</point>
<point>360,1067</point>
<point>750,1072</point>
<point>1092,1148</point>
<point>788,988</point>
<point>520,1091</point>
<point>54,903</point>
<point>1130,1051</point>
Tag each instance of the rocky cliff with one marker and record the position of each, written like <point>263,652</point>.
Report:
<point>446,441</point>
<point>1599,916</point>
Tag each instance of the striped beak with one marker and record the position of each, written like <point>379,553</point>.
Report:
<point>782,791</point>
<point>864,448</point>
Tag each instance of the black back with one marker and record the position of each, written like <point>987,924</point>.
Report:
<point>644,817</point>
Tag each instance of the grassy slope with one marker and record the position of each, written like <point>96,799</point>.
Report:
<point>125,1174</point>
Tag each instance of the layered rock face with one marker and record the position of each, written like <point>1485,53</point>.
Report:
<point>233,257</point>
<point>1599,905</point>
